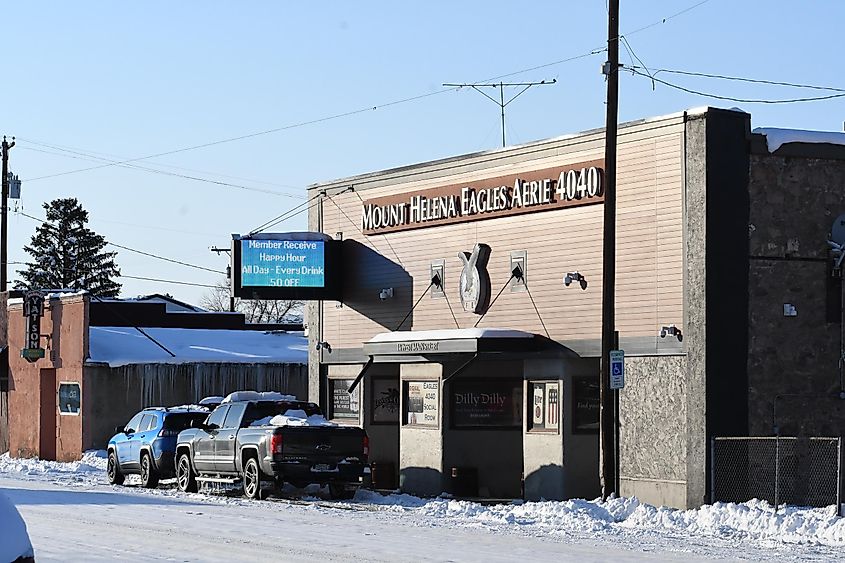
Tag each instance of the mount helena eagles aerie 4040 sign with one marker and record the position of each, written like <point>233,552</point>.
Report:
<point>538,190</point>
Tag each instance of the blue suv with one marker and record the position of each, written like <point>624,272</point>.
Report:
<point>147,444</point>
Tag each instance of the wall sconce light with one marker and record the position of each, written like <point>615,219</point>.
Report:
<point>671,330</point>
<point>324,346</point>
<point>386,293</point>
<point>575,277</point>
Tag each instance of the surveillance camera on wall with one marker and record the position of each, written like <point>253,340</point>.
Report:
<point>575,277</point>
<point>671,330</point>
<point>385,293</point>
<point>324,346</point>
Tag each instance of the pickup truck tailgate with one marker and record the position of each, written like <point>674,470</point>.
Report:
<point>322,444</point>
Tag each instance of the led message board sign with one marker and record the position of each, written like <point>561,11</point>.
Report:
<point>286,266</point>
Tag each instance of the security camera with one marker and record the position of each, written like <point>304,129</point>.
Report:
<point>575,277</point>
<point>385,293</point>
<point>324,346</point>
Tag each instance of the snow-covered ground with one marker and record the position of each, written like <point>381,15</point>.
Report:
<point>73,514</point>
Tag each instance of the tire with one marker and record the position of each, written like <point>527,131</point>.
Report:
<point>149,475</point>
<point>339,491</point>
<point>252,479</point>
<point>186,479</point>
<point>116,477</point>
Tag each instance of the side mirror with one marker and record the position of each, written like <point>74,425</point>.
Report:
<point>210,427</point>
<point>129,431</point>
<point>119,429</point>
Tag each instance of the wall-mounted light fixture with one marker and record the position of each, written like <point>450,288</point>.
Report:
<point>575,277</point>
<point>324,346</point>
<point>385,293</point>
<point>671,330</point>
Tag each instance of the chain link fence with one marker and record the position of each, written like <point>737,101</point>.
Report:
<point>780,470</point>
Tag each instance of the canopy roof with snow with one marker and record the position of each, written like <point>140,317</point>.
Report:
<point>118,346</point>
<point>457,341</point>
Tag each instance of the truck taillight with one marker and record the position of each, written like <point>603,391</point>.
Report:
<point>366,445</point>
<point>276,444</point>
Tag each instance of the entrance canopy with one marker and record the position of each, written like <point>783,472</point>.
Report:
<point>411,346</point>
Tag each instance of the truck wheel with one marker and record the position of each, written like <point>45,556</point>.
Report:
<point>149,475</point>
<point>252,479</point>
<point>113,470</point>
<point>338,491</point>
<point>186,480</point>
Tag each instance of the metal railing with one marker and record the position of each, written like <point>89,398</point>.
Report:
<point>780,470</point>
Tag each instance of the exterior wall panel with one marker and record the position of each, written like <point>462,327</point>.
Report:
<point>649,235</point>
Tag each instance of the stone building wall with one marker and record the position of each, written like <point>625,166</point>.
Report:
<point>793,360</point>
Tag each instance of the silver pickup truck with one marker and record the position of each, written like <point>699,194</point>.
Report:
<point>270,442</point>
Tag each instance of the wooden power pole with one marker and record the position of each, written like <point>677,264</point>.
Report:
<point>607,412</point>
<point>4,228</point>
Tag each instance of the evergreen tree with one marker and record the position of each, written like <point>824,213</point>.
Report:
<point>68,255</point>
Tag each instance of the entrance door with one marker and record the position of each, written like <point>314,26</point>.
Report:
<point>48,416</point>
<point>381,421</point>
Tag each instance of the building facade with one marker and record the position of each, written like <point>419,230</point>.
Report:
<point>98,369</point>
<point>469,331</point>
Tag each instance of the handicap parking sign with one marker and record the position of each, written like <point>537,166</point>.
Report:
<point>617,369</point>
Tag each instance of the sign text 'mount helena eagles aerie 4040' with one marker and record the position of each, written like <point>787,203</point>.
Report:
<point>528,192</point>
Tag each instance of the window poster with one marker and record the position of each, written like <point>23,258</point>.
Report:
<point>545,406</point>
<point>585,404</point>
<point>344,404</point>
<point>384,401</point>
<point>70,398</point>
<point>485,402</point>
<point>423,403</point>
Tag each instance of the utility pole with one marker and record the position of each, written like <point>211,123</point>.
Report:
<point>501,101</point>
<point>4,228</point>
<point>607,412</point>
<point>228,276</point>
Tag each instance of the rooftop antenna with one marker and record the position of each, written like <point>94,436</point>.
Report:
<point>501,86</point>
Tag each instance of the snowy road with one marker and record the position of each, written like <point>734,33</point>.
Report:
<point>74,515</point>
<point>105,525</point>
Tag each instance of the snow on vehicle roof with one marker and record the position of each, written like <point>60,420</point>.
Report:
<point>257,396</point>
<point>119,346</point>
<point>450,334</point>
<point>213,400</point>
<point>294,417</point>
<point>776,137</point>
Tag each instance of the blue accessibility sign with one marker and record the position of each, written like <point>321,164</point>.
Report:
<point>617,369</point>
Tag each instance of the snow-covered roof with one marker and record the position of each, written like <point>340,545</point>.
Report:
<point>776,137</point>
<point>257,396</point>
<point>118,346</point>
<point>450,334</point>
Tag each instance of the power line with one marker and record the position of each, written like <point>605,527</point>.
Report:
<point>167,281</point>
<point>114,157</point>
<point>743,79</point>
<point>88,157</point>
<point>731,98</point>
<point>282,217</point>
<point>171,260</point>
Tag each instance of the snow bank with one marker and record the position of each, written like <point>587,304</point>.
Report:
<point>293,417</point>
<point>755,519</point>
<point>257,396</point>
<point>93,461</point>
<point>119,346</point>
<point>14,539</point>
<point>776,137</point>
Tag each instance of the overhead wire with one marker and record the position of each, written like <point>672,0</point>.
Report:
<point>733,98</point>
<point>83,156</point>
<point>149,254</point>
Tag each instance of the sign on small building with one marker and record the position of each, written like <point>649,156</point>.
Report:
<point>33,310</point>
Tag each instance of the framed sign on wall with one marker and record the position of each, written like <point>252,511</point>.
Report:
<point>544,400</point>
<point>343,404</point>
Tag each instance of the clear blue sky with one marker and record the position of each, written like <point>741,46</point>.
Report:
<point>126,80</point>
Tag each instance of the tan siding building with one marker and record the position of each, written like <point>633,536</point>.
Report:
<point>503,403</point>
